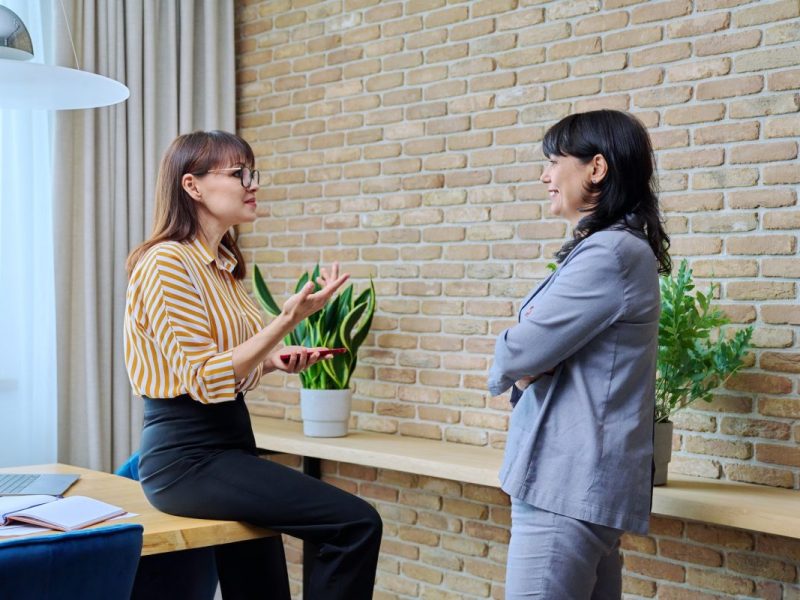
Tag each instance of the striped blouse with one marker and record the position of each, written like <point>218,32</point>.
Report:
<point>184,313</point>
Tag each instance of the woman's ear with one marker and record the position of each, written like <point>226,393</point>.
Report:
<point>189,183</point>
<point>599,168</point>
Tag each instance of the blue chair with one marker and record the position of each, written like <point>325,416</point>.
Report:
<point>90,563</point>
<point>183,574</point>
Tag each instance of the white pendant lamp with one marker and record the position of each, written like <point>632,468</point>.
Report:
<point>25,84</point>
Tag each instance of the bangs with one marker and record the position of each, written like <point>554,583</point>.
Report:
<point>230,150</point>
<point>560,139</point>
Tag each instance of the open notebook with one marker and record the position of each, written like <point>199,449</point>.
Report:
<point>64,514</point>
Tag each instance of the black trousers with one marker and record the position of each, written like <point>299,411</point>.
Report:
<point>200,461</point>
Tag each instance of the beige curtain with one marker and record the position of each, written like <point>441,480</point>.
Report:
<point>177,58</point>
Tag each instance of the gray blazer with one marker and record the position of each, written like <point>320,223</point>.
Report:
<point>580,441</point>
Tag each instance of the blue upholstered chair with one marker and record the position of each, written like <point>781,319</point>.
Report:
<point>90,563</point>
<point>183,574</point>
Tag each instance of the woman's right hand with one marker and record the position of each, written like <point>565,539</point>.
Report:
<point>304,303</point>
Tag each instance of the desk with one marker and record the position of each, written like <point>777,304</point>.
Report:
<point>162,532</point>
<point>739,505</point>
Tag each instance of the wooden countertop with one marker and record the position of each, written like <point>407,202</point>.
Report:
<point>162,532</point>
<point>739,505</point>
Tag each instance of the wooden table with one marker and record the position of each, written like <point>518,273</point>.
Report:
<point>162,532</point>
<point>739,505</point>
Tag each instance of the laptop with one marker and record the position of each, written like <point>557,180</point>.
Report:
<point>24,484</point>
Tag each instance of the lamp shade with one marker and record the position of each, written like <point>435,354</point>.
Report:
<point>25,84</point>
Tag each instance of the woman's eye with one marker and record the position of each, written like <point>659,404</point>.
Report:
<point>237,173</point>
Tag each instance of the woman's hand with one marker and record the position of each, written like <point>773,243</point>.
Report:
<point>304,303</point>
<point>521,384</point>
<point>300,359</point>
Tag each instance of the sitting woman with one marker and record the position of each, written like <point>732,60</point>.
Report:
<point>194,344</point>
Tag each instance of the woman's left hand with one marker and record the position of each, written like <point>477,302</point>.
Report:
<point>300,359</point>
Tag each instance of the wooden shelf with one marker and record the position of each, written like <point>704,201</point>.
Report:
<point>739,505</point>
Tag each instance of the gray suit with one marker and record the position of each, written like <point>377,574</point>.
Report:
<point>580,442</point>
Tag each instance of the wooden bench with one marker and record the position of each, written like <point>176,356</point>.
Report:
<point>739,505</point>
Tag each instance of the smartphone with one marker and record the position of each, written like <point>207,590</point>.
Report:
<point>322,353</point>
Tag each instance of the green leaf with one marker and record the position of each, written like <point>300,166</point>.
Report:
<point>263,294</point>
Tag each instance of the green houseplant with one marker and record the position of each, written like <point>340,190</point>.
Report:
<point>690,363</point>
<point>344,322</point>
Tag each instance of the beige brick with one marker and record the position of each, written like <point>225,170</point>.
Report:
<point>755,428</point>
<point>779,407</point>
<point>691,27</point>
<point>759,107</point>
<point>727,43</point>
<point>520,18</point>
<point>714,67</point>
<point>672,138</point>
<point>581,47</point>
<point>692,202</point>
<point>445,53</point>
<point>730,87</point>
<point>579,87</point>
<point>725,178</point>
<point>572,8</point>
<point>694,114</point>
<point>780,174</point>
<point>493,44</point>
<point>600,64</point>
<point>755,153</point>
<point>485,8</point>
<point>663,96</point>
<point>716,447</point>
<point>725,268</point>
<point>494,81</point>
<point>692,158</point>
<point>696,245</point>
<point>660,11</point>
<point>783,127</point>
<point>446,16</point>
<point>548,72</point>
<point>601,22</point>
<point>767,59</point>
<point>769,198</point>
<point>766,13</point>
<point>717,134</point>
<point>784,80</point>
<point>541,35</point>
<point>661,54</point>
<point>472,29</point>
<point>763,244</point>
<point>637,79</point>
<point>632,38</point>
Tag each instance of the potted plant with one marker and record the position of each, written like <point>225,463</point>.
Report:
<point>344,322</point>
<point>690,364</point>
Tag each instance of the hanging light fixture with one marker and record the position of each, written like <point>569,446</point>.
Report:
<point>25,84</point>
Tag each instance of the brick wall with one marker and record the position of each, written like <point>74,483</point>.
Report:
<point>402,139</point>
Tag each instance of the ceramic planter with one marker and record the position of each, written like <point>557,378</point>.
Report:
<point>325,413</point>
<point>662,451</point>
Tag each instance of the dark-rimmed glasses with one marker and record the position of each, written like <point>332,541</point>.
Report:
<point>245,174</point>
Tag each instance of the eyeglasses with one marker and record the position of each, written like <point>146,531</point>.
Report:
<point>246,175</point>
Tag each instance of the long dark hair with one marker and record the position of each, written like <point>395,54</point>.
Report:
<point>628,191</point>
<point>175,211</point>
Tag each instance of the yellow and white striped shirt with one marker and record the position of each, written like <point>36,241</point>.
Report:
<point>184,313</point>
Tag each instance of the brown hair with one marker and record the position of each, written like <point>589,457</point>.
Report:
<point>176,211</point>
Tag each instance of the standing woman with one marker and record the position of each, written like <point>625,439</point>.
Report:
<point>581,363</point>
<point>194,344</point>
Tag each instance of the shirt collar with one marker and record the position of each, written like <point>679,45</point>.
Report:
<point>226,260</point>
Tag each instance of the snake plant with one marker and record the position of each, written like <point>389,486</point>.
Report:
<point>343,323</point>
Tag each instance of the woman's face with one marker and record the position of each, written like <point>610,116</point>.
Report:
<point>224,198</point>
<point>567,180</point>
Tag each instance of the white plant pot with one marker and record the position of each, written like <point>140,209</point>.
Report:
<point>325,413</point>
<point>662,451</point>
